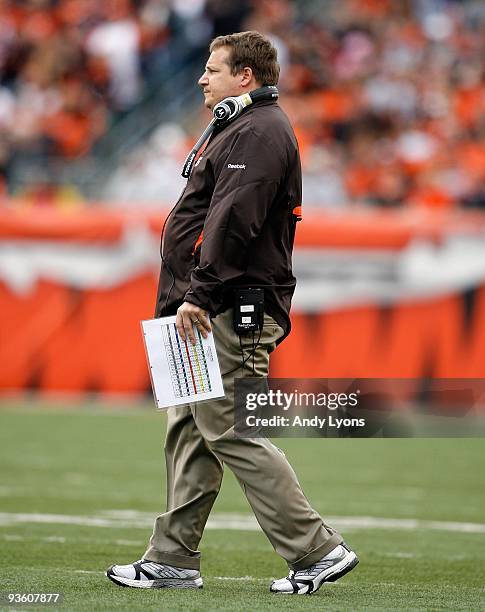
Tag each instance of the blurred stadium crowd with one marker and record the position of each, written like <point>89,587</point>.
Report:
<point>70,69</point>
<point>387,96</point>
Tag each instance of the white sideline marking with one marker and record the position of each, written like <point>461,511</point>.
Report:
<point>54,539</point>
<point>242,578</point>
<point>233,522</point>
<point>130,542</point>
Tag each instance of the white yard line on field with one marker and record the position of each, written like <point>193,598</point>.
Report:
<point>234,522</point>
<point>122,542</point>
<point>242,578</point>
<point>56,539</point>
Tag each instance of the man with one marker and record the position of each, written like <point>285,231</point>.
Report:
<point>233,227</point>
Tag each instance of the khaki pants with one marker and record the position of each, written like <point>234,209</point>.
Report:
<point>200,439</point>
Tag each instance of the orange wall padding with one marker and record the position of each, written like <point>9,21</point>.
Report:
<point>391,229</point>
<point>56,338</point>
<point>63,340</point>
<point>408,340</point>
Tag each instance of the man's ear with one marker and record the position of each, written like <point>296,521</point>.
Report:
<point>246,76</point>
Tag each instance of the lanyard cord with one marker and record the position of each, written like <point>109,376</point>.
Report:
<point>251,354</point>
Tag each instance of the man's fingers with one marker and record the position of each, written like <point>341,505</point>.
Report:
<point>189,329</point>
<point>202,324</point>
<point>205,323</point>
<point>200,328</point>
<point>179,324</point>
<point>190,317</point>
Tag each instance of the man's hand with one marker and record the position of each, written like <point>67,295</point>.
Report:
<point>187,315</point>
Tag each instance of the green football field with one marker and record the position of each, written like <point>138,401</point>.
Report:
<point>80,485</point>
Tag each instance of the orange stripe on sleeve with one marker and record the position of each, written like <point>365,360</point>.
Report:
<point>198,242</point>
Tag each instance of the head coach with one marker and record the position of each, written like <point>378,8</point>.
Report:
<point>227,241</point>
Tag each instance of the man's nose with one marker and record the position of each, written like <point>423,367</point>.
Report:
<point>203,80</point>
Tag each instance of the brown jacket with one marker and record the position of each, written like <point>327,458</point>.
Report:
<point>234,224</point>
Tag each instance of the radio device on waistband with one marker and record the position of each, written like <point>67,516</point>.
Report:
<point>248,310</point>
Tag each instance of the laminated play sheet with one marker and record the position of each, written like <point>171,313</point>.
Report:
<point>180,371</point>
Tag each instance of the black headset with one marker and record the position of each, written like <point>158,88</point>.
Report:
<point>225,111</point>
<point>230,108</point>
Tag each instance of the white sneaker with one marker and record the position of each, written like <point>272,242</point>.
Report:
<point>145,574</point>
<point>333,566</point>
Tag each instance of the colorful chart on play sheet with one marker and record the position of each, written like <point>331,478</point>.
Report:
<point>180,372</point>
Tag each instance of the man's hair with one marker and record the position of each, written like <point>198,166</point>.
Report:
<point>250,49</point>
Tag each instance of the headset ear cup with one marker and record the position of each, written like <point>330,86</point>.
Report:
<point>227,110</point>
<point>230,108</point>
<point>221,112</point>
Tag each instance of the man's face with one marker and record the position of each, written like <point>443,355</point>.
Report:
<point>217,82</point>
